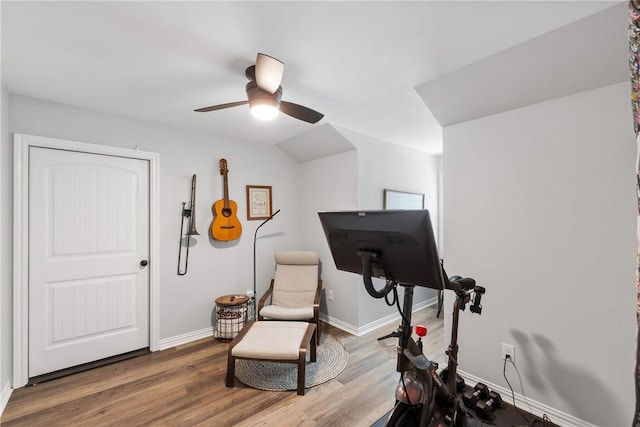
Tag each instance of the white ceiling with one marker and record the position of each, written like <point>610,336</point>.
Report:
<point>357,62</point>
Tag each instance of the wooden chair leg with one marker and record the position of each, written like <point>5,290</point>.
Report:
<point>314,346</point>
<point>318,333</point>
<point>301,374</point>
<point>308,339</point>
<point>231,370</point>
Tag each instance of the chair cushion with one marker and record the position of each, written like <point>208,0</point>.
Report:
<point>295,279</point>
<point>272,340</point>
<point>295,286</point>
<point>287,313</point>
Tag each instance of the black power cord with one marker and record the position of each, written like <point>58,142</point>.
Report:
<point>513,394</point>
<point>546,421</point>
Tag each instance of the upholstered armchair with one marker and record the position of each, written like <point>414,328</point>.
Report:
<point>295,290</point>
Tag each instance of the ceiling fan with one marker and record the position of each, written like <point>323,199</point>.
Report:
<point>264,93</point>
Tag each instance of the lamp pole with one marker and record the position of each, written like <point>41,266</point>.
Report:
<point>255,235</point>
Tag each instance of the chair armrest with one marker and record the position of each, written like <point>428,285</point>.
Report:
<point>316,311</point>
<point>316,299</point>
<point>264,298</point>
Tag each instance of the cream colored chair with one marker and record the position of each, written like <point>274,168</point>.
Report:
<point>295,289</point>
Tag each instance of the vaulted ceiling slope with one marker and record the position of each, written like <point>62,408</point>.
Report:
<point>321,141</point>
<point>588,54</point>
<point>357,62</point>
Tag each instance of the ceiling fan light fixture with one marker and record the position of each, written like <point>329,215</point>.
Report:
<point>264,111</point>
<point>263,105</point>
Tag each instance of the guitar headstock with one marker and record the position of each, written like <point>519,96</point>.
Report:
<point>223,167</point>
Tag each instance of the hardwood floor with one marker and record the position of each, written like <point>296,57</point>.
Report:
<point>185,386</point>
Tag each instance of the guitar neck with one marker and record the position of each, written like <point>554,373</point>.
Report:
<point>226,191</point>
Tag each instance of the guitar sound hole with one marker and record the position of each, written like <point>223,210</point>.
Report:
<point>226,212</point>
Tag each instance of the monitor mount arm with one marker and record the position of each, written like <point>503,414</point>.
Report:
<point>367,273</point>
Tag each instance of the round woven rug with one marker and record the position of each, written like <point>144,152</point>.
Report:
<point>331,359</point>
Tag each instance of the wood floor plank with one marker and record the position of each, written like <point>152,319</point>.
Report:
<point>111,379</point>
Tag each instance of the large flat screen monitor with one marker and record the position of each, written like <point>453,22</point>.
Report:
<point>401,241</point>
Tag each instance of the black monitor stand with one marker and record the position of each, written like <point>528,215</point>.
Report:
<point>404,330</point>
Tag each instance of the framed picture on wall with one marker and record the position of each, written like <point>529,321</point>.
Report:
<point>258,202</point>
<point>402,200</point>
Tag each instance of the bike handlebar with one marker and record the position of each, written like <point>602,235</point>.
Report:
<point>457,283</point>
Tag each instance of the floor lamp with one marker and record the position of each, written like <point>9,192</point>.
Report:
<point>255,235</point>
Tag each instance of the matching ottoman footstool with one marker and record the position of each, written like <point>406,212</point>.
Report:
<point>274,341</point>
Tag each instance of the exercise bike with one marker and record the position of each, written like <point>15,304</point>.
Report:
<point>423,396</point>
<point>399,246</point>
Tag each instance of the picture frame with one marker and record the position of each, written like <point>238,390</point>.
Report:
<point>393,199</point>
<point>259,204</point>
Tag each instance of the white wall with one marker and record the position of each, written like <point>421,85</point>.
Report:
<point>330,184</point>
<point>215,268</point>
<point>5,254</point>
<point>540,207</point>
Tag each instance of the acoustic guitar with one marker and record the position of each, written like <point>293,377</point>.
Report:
<point>226,225</point>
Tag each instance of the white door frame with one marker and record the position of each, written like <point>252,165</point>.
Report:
<point>21,145</point>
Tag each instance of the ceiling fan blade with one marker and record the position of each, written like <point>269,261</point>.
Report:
<point>299,112</point>
<point>268,72</point>
<point>221,106</point>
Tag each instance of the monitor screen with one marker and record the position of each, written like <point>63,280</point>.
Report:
<point>402,241</point>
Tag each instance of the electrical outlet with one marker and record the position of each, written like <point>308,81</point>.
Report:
<point>509,350</point>
<point>329,294</point>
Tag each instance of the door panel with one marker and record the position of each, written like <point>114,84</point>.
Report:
<point>93,307</point>
<point>88,232</point>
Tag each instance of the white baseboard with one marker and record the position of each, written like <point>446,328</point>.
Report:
<point>208,332</point>
<point>529,405</point>
<point>347,327</point>
<point>185,338</point>
<point>369,327</point>
<point>6,394</point>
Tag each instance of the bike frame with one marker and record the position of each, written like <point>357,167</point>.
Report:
<point>440,401</point>
<point>441,398</point>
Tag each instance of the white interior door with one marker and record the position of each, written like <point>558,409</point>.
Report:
<point>88,247</point>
